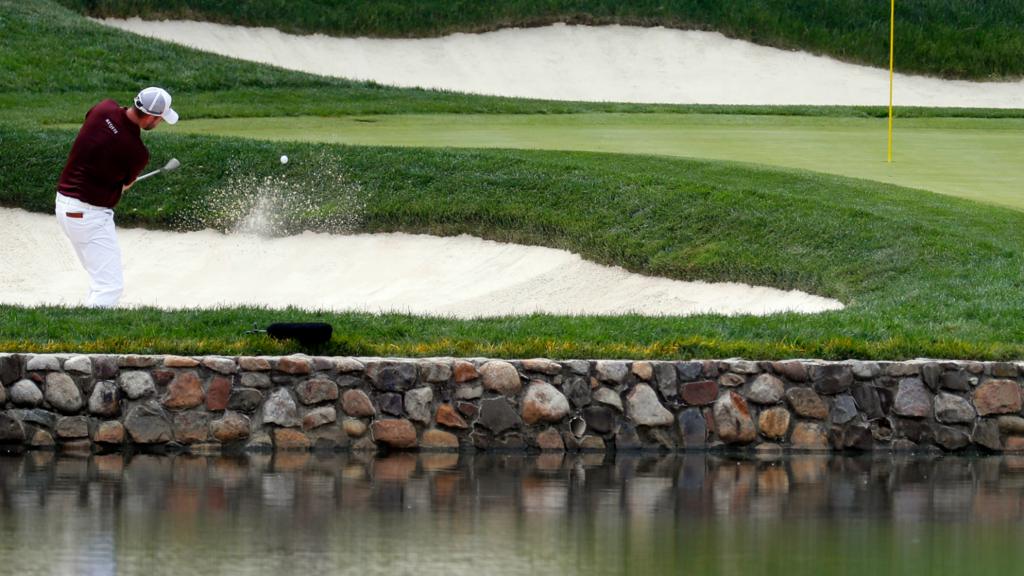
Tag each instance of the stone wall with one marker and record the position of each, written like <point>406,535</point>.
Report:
<point>218,404</point>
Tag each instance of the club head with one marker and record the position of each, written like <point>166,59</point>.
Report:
<point>171,165</point>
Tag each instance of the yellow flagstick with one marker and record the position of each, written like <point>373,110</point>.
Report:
<point>892,38</point>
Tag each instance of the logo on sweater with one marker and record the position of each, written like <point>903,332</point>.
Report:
<point>111,125</point>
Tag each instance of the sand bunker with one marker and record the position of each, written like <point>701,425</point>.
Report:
<point>462,276</point>
<point>608,63</point>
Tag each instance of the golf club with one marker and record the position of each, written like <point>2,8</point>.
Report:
<point>171,165</point>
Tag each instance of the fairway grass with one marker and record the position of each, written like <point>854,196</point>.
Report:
<point>974,158</point>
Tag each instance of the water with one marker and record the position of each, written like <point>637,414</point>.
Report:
<point>486,514</point>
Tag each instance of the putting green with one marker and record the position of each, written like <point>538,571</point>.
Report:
<point>980,159</point>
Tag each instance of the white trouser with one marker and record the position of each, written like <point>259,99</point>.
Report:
<point>91,231</point>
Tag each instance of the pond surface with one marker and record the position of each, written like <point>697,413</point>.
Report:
<point>494,514</point>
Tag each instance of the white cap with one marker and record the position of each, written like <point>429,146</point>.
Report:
<point>156,102</point>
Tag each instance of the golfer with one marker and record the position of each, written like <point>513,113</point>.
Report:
<point>105,159</point>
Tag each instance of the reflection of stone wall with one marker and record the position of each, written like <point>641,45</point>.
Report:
<point>209,404</point>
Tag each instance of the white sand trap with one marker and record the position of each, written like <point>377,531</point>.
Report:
<point>607,63</point>
<point>461,276</point>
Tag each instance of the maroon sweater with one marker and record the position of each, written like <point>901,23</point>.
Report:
<point>107,154</point>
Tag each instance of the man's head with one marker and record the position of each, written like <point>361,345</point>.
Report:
<point>153,105</point>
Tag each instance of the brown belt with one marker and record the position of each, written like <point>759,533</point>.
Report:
<point>74,214</point>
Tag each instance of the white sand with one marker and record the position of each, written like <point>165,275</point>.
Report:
<point>460,276</point>
<point>609,63</point>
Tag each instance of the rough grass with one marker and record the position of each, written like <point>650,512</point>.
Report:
<point>952,38</point>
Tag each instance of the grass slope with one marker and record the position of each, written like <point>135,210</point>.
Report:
<point>952,38</point>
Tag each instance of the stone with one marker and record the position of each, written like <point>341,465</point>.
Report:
<point>832,379</point>
<point>259,441</point>
<point>467,409</point>
<point>1011,425</point>
<point>10,369</point>
<point>35,416</point>
<point>690,371</point>
<point>185,391</point>
<point>497,415</point>
<point>608,397</point>
<point>296,365</point>
<point>902,369</point>
<point>1004,370</point>
<point>280,409</point>
<point>578,367</point>
<point>104,367</point>
<point>600,419</point>
<point>137,361</point>
<point>611,371</point>
<point>733,423</point>
<point>730,380</point>
<point>660,439</point>
<point>986,435</point>
<point>290,440</point>
<point>435,371</point>
<point>627,439</point>
<point>3,395</point>
<point>912,399</point>
<point>792,370</point>
<point>500,377</point>
<point>447,416</point>
<point>392,376</point>
<point>109,432</point>
<point>73,427</point>
<point>542,365</point>
<point>766,389</point>
<point>245,399</point>
<point>12,431</point>
<point>418,404</point>
<point>256,380</point>
<point>809,436</point>
<point>866,370</point>
<point>464,371</point>
<point>231,427</point>
<point>184,362</point>
<point>105,399</point>
<point>136,384</point>
<point>951,438</point>
<point>79,365</point>
<point>348,365</point>
<point>998,397</point>
<point>774,423</point>
<point>147,424</point>
<point>1014,444</point>
<point>439,440</point>
<point>578,391</point>
<point>62,393</point>
<point>468,391</point>
<point>952,409</point>
<point>217,393</point>
<point>693,428</point>
<point>550,440</point>
<point>858,437</point>
<point>319,417</point>
<point>254,364</point>
<point>931,375</point>
<point>844,409</point>
<point>643,371</point>
<point>700,393</point>
<point>220,365</point>
<point>644,408</point>
<point>316,390</point>
<point>742,366</point>
<point>26,393</point>
<point>391,403</point>
<point>38,438</point>
<point>397,433</point>
<point>191,427</point>
<point>667,378</point>
<point>353,427</point>
<point>806,403</point>
<point>958,381</point>
<point>43,362</point>
<point>544,403</point>
<point>591,444</point>
<point>868,401</point>
<point>357,403</point>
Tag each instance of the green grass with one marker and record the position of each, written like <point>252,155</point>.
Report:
<point>954,38</point>
<point>921,274</point>
<point>976,159</point>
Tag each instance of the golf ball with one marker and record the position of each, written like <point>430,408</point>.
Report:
<point>284,159</point>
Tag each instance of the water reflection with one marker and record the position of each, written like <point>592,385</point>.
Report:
<point>494,514</point>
